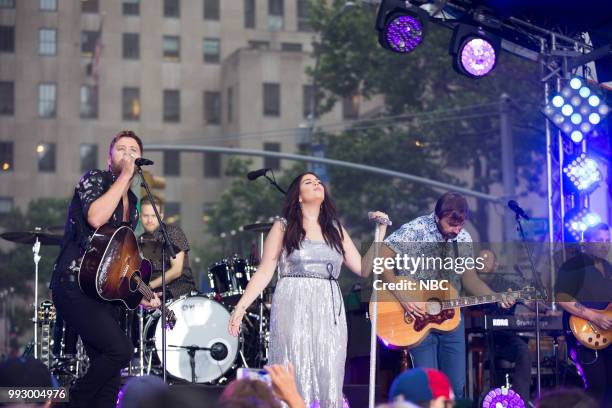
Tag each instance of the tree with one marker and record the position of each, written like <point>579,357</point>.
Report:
<point>456,137</point>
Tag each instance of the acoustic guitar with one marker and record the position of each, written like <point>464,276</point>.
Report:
<point>112,269</point>
<point>588,334</point>
<point>398,328</point>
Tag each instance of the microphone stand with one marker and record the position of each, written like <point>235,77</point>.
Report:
<point>167,246</point>
<point>538,282</point>
<point>275,184</point>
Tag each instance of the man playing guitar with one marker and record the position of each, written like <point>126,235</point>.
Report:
<point>441,229</point>
<point>100,197</point>
<point>584,290</point>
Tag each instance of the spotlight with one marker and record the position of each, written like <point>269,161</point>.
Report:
<point>583,173</point>
<point>400,27</point>
<point>576,110</point>
<point>475,51</point>
<point>581,221</point>
<point>502,397</point>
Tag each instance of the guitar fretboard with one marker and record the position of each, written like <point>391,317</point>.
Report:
<point>478,300</point>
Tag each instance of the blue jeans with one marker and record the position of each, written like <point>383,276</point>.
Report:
<point>444,352</point>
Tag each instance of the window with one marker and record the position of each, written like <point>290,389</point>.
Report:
<point>271,162</point>
<point>249,14</point>
<point>212,165</point>
<point>7,3</point>
<point>6,156</point>
<point>212,107</point>
<point>131,7</point>
<point>303,16</point>
<point>130,105</point>
<point>89,102</point>
<point>172,8</point>
<point>291,47</point>
<point>275,15</point>
<point>6,205</point>
<point>350,106</point>
<point>7,39</point>
<point>46,157</point>
<point>131,45</point>
<point>259,45</point>
<point>47,41</point>
<point>211,10</point>
<point>172,213</point>
<point>89,156</point>
<point>172,48</point>
<point>88,42</point>
<point>271,99</point>
<point>89,6</point>
<point>48,5</point>
<point>172,105</point>
<point>172,163</point>
<point>7,98</point>
<point>307,100</point>
<point>211,50</point>
<point>230,104</point>
<point>46,100</point>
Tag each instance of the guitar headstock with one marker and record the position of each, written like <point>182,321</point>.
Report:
<point>529,293</point>
<point>46,312</point>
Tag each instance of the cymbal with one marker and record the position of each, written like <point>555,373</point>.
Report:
<point>45,236</point>
<point>259,226</point>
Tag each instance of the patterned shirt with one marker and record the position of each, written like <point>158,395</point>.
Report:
<point>151,245</point>
<point>421,237</point>
<point>77,230</point>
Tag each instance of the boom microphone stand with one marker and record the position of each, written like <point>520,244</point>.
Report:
<point>167,246</point>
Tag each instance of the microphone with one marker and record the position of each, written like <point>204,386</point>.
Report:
<point>379,220</point>
<point>252,175</point>
<point>143,162</point>
<point>513,205</point>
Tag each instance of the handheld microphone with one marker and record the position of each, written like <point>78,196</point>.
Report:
<point>379,220</point>
<point>143,162</point>
<point>252,175</point>
<point>513,205</point>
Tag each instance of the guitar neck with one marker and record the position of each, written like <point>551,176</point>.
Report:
<point>147,293</point>
<point>479,300</point>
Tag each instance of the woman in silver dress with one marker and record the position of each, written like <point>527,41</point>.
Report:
<point>308,324</point>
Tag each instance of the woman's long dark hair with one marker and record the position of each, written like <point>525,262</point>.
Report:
<point>328,219</point>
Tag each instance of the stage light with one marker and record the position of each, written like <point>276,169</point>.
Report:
<point>502,398</point>
<point>581,221</point>
<point>576,110</point>
<point>577,136</point>
<point>583,173</point>
<point>475,51</point>
<point>401,28</point>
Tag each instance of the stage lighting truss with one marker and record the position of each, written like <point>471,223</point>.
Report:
<point>401,26</point>
<point>474,50</point>
<point>583,173</point>
<point>581,221</point>
<point>576,110</point>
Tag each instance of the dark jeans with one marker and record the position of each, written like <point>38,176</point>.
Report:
<point>444,352</point>
<point>597,371</point>
<point>514,349</point>
<point>108,348</point>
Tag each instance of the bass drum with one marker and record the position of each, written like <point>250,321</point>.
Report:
<point>202,323</point>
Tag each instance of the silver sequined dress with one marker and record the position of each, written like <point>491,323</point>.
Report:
<point>308,324</point>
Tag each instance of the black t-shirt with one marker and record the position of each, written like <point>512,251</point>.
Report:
<point>151,245</point>
<point>579,278</point>
<point>77,230</point>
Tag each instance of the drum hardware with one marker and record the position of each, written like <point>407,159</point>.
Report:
<point>37,237</point>
<point>218,351</point>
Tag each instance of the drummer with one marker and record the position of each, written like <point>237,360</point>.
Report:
<point>179,278</point>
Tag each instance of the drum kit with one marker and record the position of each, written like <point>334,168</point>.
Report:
<point>199,347</point>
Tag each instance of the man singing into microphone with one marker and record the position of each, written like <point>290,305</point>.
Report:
<point>100,197</point>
